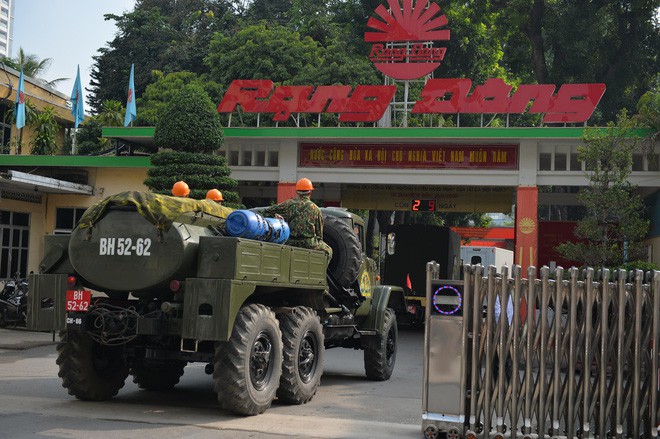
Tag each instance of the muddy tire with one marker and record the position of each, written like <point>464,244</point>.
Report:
<point>157,376</point>
<point>302,367</point>
<point>380,353</point>
<point>346,250</point>
<point>247,368</point>
<point>90,371</point>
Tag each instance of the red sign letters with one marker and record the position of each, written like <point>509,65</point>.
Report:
<point>367,103</point>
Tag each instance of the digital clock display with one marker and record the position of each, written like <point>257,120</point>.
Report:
<point>423,205</point>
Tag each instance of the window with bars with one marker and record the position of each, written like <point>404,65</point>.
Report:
<point>14,243</point>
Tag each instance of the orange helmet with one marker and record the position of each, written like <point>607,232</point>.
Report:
<point>180,189</point>
<point>214,195</point>
<point>304,185</point>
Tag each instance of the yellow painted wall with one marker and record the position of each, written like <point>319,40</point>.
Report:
<point>106,181</point>
<point>37,229</point>
<point>41,97</point>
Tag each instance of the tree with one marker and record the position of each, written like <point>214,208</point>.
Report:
<point>262,52</point>
<point>45,132</point>
<point>165,35</point>
<point>189,123</point>
<point>162,91</point>
<point>30,115</point>
<point>190,127</point>
<point>112,114</point>
<point>613,228</point>
<point>201,171</point>
<point>648,112</point>
<point>32,66</point>
<point>89,137</point>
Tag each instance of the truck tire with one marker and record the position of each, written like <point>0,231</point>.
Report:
<point>380,354</point>
<point>247,368</point>
<point>302,367</point>
<point>346,251</point>
<point>157,376</point>
<point>90,371</point>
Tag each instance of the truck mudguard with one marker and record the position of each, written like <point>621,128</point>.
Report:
<point>384,296</point>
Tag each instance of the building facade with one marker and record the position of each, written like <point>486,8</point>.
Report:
<point>6,27</point>
<point>538,185</point>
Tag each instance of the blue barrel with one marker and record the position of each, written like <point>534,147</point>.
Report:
<point>246,224</point>
<point>279,230</point>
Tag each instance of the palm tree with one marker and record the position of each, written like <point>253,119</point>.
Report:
<point>32,66</point>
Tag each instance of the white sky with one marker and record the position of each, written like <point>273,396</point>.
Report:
<point>69,32</point>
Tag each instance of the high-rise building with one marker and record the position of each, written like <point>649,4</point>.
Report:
<point>6,26</point>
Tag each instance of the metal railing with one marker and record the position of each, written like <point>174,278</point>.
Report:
<point>572,354</point>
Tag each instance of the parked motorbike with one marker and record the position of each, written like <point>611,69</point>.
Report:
<point>13,301</point>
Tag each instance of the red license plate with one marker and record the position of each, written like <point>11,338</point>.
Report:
<point>78,300</point>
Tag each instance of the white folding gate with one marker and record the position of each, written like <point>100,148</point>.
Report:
<point>574,356</point>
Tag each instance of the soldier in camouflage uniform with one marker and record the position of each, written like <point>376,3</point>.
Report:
<point>304,218</point>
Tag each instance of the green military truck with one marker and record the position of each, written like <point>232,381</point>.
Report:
<point>147,283</point>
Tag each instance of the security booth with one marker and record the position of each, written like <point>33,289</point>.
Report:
<point>445,354</point>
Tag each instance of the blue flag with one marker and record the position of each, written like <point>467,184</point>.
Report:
<point>131,110</point>
<point>77,109</point>
<point>20,103</point>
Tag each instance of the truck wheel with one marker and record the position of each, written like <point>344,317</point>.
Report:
<point>346,251</point>
<point>248,367</point>
<point>157,376</point>
<point>380,354</point>
<point>302,367</point>
<point>90,371</point>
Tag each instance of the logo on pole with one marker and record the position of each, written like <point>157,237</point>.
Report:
<point>404,38</point>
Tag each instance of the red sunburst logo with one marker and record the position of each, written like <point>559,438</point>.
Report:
<point>129,98</point>
<point>21,97</point>
<point>414,27</point>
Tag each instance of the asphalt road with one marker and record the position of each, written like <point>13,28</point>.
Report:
<point>347,405</point>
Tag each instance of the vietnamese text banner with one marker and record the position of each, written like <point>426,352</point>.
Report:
<point>447,198</point>
<point>409,156</point>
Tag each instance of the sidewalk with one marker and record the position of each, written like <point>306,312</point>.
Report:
<point>19,338</point>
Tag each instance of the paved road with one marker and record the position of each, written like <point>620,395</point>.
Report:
<point>347,405</point>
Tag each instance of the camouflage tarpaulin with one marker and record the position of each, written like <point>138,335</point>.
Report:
<point>160,210</point>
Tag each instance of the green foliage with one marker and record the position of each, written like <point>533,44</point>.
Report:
<point>165,35</point>
<point>165,87</point>
<point>306,41</point>
<point>613,226</point>
<point>614,42</point>
<point>262,52</point>
<point>112,114</point>
<point>648,112</point>
<point>45,131</point>
<point>201,171</point>
<point>641,265</point>
<point>189,122</point>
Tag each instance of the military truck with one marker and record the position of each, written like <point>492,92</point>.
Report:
<point>146,284</point>
<point>406,248</point>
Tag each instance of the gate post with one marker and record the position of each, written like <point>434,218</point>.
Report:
<point>445,355</point>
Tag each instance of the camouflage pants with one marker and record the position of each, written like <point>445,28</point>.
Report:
<point>311,243</point>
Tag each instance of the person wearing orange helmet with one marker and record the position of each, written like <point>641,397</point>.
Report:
<point>214,195</point>
<point>181,189</point>
<point>304,218</point>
